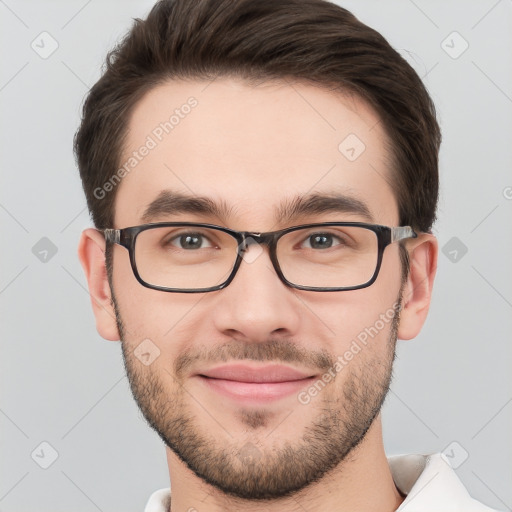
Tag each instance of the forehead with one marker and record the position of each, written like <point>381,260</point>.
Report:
<point>252,149</point>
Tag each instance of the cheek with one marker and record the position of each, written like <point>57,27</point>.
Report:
<point>146,313</point>
<point>358,315</point>
<point>159,323</point>
<point>366,340</point>
<point>152,314</point>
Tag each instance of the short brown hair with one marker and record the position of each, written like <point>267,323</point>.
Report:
<point>302,40</point>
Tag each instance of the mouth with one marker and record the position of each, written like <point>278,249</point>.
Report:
<point>255,384</point>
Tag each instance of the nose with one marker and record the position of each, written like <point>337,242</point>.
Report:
<point>257,305</point>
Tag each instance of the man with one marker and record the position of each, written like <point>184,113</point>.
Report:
<point>263,178</point>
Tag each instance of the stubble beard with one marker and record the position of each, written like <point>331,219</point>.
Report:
<point>248,469</point>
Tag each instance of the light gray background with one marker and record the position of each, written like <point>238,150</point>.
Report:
<point>62,384</point>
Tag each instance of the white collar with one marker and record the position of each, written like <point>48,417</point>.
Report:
<point>429,482</point>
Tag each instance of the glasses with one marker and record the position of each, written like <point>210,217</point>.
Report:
<point>193,258</point>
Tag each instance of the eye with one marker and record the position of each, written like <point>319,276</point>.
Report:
<point>189,241</point>
<point>321,241</point>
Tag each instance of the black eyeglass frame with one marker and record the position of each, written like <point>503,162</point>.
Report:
<point>127,237</point>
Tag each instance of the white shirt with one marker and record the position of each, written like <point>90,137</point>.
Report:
<point>429,482</point>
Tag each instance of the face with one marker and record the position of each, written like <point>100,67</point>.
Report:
<point>254,150</point>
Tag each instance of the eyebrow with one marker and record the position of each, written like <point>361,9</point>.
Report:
<point>173,203</point>
<point>169,202</point>
<point>318,203</point>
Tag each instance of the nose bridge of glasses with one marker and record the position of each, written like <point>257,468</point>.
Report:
<point>251,238</point>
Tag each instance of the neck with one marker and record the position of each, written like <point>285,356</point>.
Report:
<point>361,482</point>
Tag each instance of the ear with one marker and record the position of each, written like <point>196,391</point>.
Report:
<point>417,290</point>
<point>91,252</point>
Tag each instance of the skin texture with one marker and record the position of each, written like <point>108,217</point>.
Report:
<point>253,147</point>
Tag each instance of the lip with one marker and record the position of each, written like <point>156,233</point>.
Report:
<point>257,374</point>
<point>256,384</point>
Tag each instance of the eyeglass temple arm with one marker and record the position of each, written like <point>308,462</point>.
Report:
<point>112,235</point>
<point>401,232</point>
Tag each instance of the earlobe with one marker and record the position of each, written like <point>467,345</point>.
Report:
<point>417,291</point>
<point>91,252</point>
